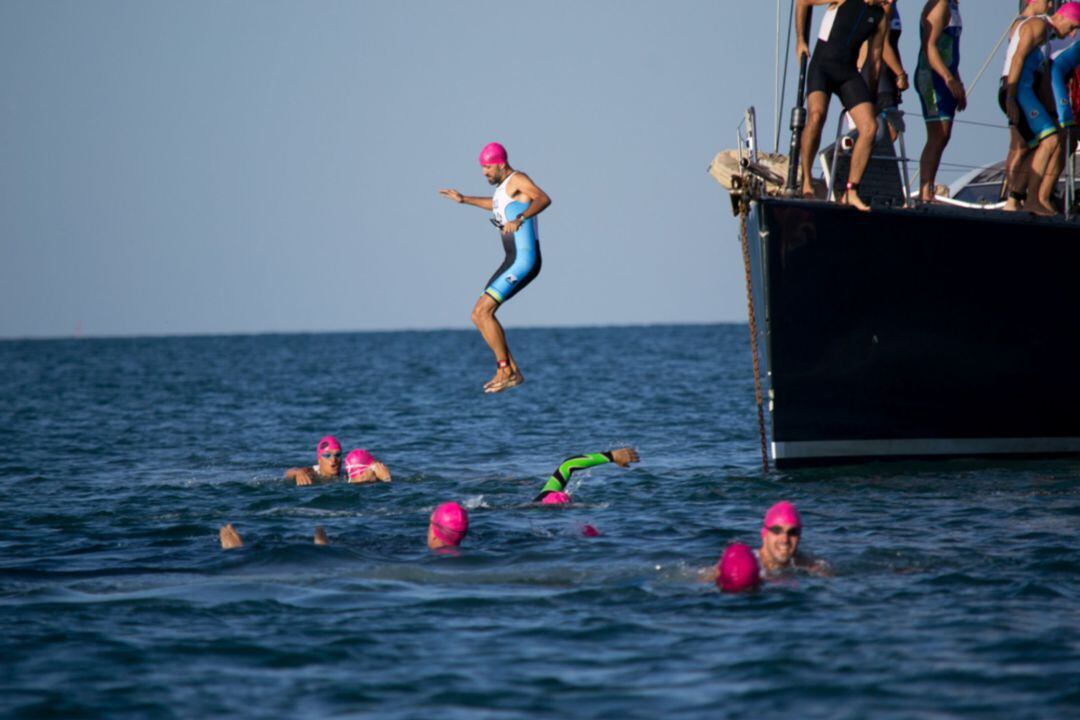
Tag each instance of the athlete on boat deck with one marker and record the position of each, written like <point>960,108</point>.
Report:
<point>1026,59</point>
<point>1017,161</point>
<point>892,78</point>
<point>937,79</point>
<point>515,204</point>
<point>834,70</point>
<point>554,490</point>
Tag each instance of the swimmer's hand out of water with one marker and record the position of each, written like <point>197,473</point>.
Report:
<point>623,457</point>
<point>375,471</point>
<point>229,537</point>
<point>304,476</point>
<point>452,194</point>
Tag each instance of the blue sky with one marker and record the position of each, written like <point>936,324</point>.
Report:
<point>266,166</point>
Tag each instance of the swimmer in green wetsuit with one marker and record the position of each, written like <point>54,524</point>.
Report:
<point>553,491</point>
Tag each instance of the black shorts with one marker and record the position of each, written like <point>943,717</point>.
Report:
<point>835,77</point>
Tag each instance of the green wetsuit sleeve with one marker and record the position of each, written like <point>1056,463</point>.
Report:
<point>565,471</point>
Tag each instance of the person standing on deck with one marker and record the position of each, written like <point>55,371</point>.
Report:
<point>937,79</point>
<point>1018,159</point>
<point>1027,57</point>
<point>892,78</point>
<point>516,203</point>
<point>833,70</point>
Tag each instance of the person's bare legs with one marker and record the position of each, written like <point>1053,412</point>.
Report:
<point>1016,169</point>
<point>937,137</point>
<point>865,122</point>
<point>229,538</point>
<point>817,106</point>
<point>483,316</point>
<point>1040,164</point>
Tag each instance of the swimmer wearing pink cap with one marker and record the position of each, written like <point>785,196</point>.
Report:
<point>780,535</point>
<point>738,569</point>
<point>362,467</point>
<point>328,465</point>
<point>515,204</point>
<point>448,526</point>
<point>554,490</point>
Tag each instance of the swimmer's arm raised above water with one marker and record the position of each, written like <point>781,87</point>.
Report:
<point>484,203</point>
<point>622,457</point>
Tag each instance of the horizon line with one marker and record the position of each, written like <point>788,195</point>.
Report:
<point>255,333</point>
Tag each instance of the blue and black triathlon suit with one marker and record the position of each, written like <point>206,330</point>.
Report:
<point>522,248</point>
<point>834,66</point>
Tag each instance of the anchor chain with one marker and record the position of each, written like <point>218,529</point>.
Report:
<point>744,210</point>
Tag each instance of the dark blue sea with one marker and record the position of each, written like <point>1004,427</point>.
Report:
<point>955,595</point>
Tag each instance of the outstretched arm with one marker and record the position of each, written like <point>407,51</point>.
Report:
<point>622,457</point>
<point>484,203</point>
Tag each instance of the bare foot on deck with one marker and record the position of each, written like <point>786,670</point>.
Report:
<point>852,198</point>
<point>320,536</point>
<point>1037,208</point>
<point>230,538</point>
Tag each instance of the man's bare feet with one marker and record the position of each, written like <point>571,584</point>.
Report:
<point>504,380</point>
<point>624,456</point>
<point>320,536</point>
<point>230,538</point>
<point>1037,208</point>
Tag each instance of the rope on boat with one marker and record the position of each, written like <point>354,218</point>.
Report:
<point>744,210</point>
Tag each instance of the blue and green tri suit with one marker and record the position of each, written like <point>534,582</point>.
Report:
<point>559,479</point>
<point>938,102</point>
<point>522,263</point>
<point>1062,67</point>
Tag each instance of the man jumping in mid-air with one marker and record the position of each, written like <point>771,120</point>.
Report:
<point>516,203</point>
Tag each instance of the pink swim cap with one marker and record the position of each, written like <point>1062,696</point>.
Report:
<point>1070,11</point>
<point>589,531</point>
<point>493,154</point>
<point>329,442</point>
<point>556,498</point>
<point>782,512</point>
<point>357,461</point>
<point>450,523</point>
<point>738,569</point>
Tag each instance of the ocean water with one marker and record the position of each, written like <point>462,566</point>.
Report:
<point>955,595</point>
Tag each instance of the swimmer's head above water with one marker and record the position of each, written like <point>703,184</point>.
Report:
<point>556,498</point>
<point>357,462</point>
<point>449,525</point>
<point>780,534</point>
<point>738,569</point>
<point>328,455</point>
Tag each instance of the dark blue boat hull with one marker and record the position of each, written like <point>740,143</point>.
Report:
<point>916,333</point>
